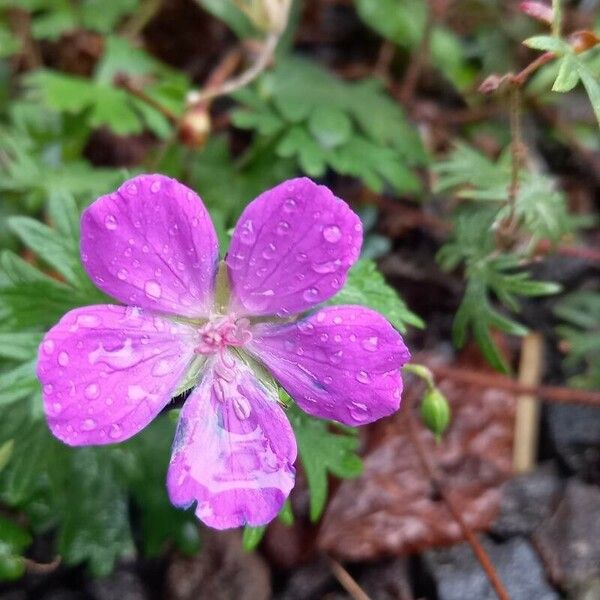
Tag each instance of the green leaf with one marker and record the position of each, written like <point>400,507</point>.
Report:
<point>321,452</point>
<point>592,87</point>
<point>329,126</point>
<point>547,43</point>
<point>366,286</point>
<point>252,537</point>
<point>568,75</point>
<point>13,541</point>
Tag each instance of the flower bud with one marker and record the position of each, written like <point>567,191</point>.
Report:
<point>435,412</point>
<point>267,15</point>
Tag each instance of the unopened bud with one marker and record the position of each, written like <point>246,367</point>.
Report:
<point>267,15</point>
<point>195,127</point>
<point>435,412</point>
<point>580,41</point>
<point>538,10</point>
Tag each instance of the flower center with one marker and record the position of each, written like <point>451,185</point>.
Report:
<point>222,331</point>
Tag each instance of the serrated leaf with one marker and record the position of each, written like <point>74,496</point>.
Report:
<point>321,452</point>
<point>366,286</point>
<point>592,87</point>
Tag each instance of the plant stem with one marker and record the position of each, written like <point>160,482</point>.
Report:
<point>515,152</point>
<point>430,470</point>
<point>347,581</point>
<point>561,395</point>
<point>556,18</point>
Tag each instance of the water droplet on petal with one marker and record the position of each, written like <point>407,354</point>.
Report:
<point>115,431</point>
<point>247,233</point>
<point>161,368</point>
<point>332,234</point>
<point>48,346</point>
<point>136,393</point>
<point>370,343</point>
<point>195,222</point>
<point>363,377</point>
<point>359,412</point>
<point>132,189</point>
<point>269,252</point>
<point>88,425</point>
<point>330,266</point>
<point>110,222</point>
<point>63,359</point>
<point>92,391</point>
<point>306,327</point>
<point>337,320</point>
<point>311,294</point>
<point>155,187</point>
<point>336,357</point>
<point>152,289</point>
<point>290,205</point>
<point>324,337</point>
<point>327,380</point>
<point>57,407</point>
<point>48,388</point>
<point>122,274</point>
<point>283,228</point>
<point>301,257</point>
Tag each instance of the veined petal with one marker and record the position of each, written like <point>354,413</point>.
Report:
<point>291,249</point>
<point>106,371</point>
<point>341,363</point>
<point>152,244</point>
<point>233,451</point>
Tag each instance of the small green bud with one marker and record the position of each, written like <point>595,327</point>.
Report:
<point>435,412</point>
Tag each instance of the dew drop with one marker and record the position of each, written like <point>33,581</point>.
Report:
<point>359,412</point>
<point>132,189</point>
<point>247,233</point>
<point>327,380</point>
<point>288,345</point>
<point>48,388</point>
<point>306,327</point>
<point>330,266</point>
<point>337,320</point>
<point>337,338</point>
<point>92,391</point>
<point>320,317</point>
<point>161,368</point>
<point>110,222</point>
<point>136,392</point>
<point>155,187</point>
<point>301,257</point>
<point>63,359</point>
<point>269,252</point>
<point>88,425</point>
<point>128,252</point>
<point>324,337</point>
<point>145,249</point>
<point>352,337</point>
<point>370,343</point>
<point>122,274</point>
<point>115,431</point>
<point>283,228</point>
<point>332,234</point>
<point>336,357</point>
<point>363,377</point>
<point>57,407</point>
<point>195,222</point>
<point>48,346</point>
<point>152,289</point>
<point>290,205</point>
<point>311,294</point>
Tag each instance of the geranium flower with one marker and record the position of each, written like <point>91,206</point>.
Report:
<point>108,370</point>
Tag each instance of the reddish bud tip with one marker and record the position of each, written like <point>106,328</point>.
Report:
<point>537,10</point>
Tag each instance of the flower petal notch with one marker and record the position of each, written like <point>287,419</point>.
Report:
<point>107,371</point>
<point>152,244</point>
<point>292,249</point>
<point>234,450</point>
<point>342,363</point>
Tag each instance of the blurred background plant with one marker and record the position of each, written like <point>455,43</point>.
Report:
<point>379,99</point>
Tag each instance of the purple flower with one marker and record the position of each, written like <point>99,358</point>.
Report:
<point>108,370</point>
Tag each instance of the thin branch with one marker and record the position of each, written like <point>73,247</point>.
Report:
<point>561,395</point>
<point>347,581</point>
<point>126,84</point>
<point>236,83</point>
<point>430,470</point>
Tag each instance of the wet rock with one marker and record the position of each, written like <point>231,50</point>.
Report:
<point>526,501</point>
<point>387,580</point>
<point>569,540</point>
<point>459,576</point>
<point>308,582</point>
<point>221,570</point>
<point>122,584</point>
<point>575,434</point>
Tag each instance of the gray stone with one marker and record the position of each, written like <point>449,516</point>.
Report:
<point>575,434</point>
<point>459,576</point>
<point>526,501</point>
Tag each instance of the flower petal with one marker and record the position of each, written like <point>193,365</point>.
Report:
<point>106,371</point>
<point>233,451</point>
<point>342,363</point>
<point>152,244</point>
<point>291,249</point>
